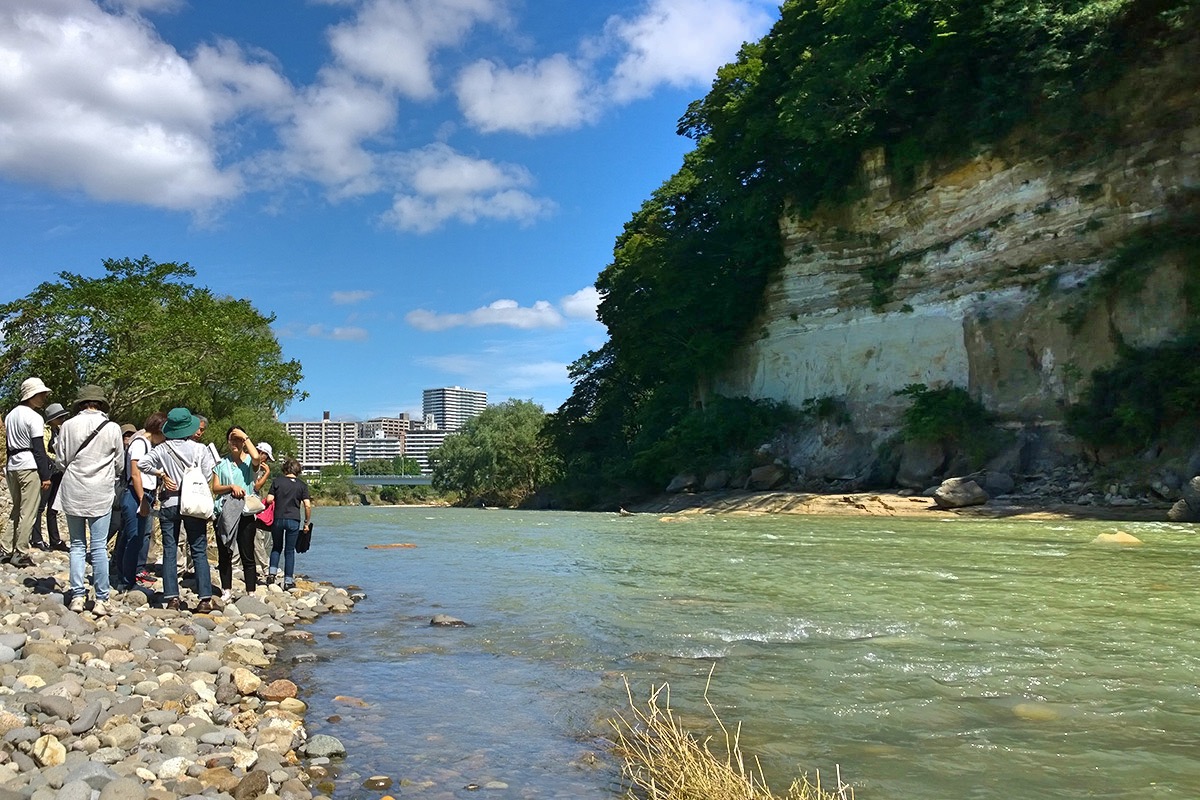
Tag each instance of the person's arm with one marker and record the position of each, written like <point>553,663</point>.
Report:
<point>38,447</point>
<point>307,513</point>
<point>139,491</point>
<point>264,472</point>
<point>221,488</point>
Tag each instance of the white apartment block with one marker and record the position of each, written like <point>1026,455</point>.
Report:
<point>373,448</point>
<point>419,443</point>
<point>323,443</point>
<point>452,406</point>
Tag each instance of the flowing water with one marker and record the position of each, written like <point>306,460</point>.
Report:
<point>925,659</point>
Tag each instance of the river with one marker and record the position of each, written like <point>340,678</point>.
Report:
<point>925,659</point>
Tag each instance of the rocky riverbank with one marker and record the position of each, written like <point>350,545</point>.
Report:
<point>144,703</point>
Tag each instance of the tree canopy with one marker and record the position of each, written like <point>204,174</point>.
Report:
<point>498,458</point>
<point>153,341</point>
<point>782,131</point>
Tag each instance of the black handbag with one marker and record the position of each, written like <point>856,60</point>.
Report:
<point>304,539</point>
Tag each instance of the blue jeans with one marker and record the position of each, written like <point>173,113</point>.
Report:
<point>89,533</point>
<point>283,538</point>
<point>132,539</point>
<point>196,531</point>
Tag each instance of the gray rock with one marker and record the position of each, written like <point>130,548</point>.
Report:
<point>205,663</point>
<point>681,483</point>
<point>959,493</point>
<point>919,462</point>
<point>997,483</point>
<point>447,621</point>
<point>766,477</point>
<point>1182,512</point>
<point>14,640</point>
<point>94,775</point>
<point>7,654</point>
<point>123,789</point>
<point>324,746</point>
<point>715,481</point>
<point>86,720</point>
<point>75,790</point>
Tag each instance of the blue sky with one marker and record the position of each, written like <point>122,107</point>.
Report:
<point>421,191</point>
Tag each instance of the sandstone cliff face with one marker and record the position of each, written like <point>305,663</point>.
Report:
<point>963,279</point>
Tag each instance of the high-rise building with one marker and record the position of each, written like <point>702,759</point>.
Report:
<point>452,406</point>
<point>323,443</point>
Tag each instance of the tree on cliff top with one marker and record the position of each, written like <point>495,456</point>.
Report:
<point>153,341</point>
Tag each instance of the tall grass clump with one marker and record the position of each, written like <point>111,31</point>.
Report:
<point>663,761</point>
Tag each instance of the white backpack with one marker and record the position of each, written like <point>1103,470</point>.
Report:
<point>195,495</point>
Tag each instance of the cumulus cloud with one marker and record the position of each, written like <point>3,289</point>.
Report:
<point>350,297</point>
<point>98,102</point>
<point>533,98</point>
<point>581,304</point>
<point>240,81</point>
<point>447,185</point>
<point>504,374</point>
<point>510,313</point>
<point>507,313</point>
<point>392,41</point>
<point>681,43</point>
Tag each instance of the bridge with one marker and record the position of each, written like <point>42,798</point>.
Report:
<point>391,480</point>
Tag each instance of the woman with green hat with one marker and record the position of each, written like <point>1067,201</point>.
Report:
<point>168,462</point>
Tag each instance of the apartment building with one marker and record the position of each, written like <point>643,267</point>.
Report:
<point>452,406</point>
<point>323,443</point>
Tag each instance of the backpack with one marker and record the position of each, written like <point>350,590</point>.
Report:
<point>195,495</point>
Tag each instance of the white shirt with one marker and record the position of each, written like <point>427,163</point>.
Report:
<point>136,451</point>
<point>90,475</point>
<point>23,424</point>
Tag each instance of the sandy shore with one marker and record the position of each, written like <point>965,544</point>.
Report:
<point>879,504</point>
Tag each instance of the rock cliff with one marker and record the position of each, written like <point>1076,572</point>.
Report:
<point>966,275</point>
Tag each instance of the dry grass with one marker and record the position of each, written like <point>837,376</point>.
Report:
<point>663,761</point>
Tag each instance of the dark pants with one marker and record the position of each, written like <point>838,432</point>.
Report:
<point>44,507</point>
<point>196,532</point>
<point>132,539</point>
<point>245,546</point>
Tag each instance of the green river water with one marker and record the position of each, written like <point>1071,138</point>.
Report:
<point>925,659</point>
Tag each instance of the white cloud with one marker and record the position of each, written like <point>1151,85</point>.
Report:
<point>533,98</point>
<point>507,313</point>
<point>524,377</point>
<point>681,43</point>
<point>492,369</point>
<point>337,334</point>
<point>392,41</point>
<point>581,304</point>
<point>448,185</point>
<point>351,297</point>
<point>98,102</point>
<point>238,81</point>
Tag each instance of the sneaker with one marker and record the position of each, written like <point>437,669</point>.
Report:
<point>270,581</point>
<point>76,604</point>
<point>20,560</point>
<point>99,609</point>
<point>62,547</point>
<point>204,607</point>
<point>226,597</point>
<point>173,605</point>
<point>289,585</point>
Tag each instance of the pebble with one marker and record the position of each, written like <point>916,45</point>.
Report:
<point>151,703</point>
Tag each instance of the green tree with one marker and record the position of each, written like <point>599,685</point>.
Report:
<point>153,341</point>
<point>498,458</point>
<point>405,466</point>
<point>374,466</point>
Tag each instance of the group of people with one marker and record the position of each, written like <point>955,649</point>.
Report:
<point>105,477</point>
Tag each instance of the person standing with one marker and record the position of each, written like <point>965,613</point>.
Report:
<point>137,504</point>
<point>262,533</point>
<point>93,461</point>
<point>292,501</point>
<point>168,462</point>
<point>56,415</point>
<point>235,478</point>
<point>28,471</point>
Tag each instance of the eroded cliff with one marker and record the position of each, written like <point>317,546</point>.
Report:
<point>982,273</point>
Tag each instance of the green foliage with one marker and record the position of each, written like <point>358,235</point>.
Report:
<point>398,465</point>
<point>1143,397</point>
<point>721,434</point>
<point>951,417</point>
<point>408,495</point>
<point>498,458</point>
<point>153,341</point>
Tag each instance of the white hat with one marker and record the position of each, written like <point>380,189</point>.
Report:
<point>266,450</point>
<point>32,387</point>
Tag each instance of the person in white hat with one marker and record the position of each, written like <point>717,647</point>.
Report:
<point>28,471</point>
<point>55,415</point>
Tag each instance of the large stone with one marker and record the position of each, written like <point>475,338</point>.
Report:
<point>681,483</point>
<point>919,462</point>
<point>766,477</point>
<point>324,746</point>
<point>48,751</point>
<point>959,493</point>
